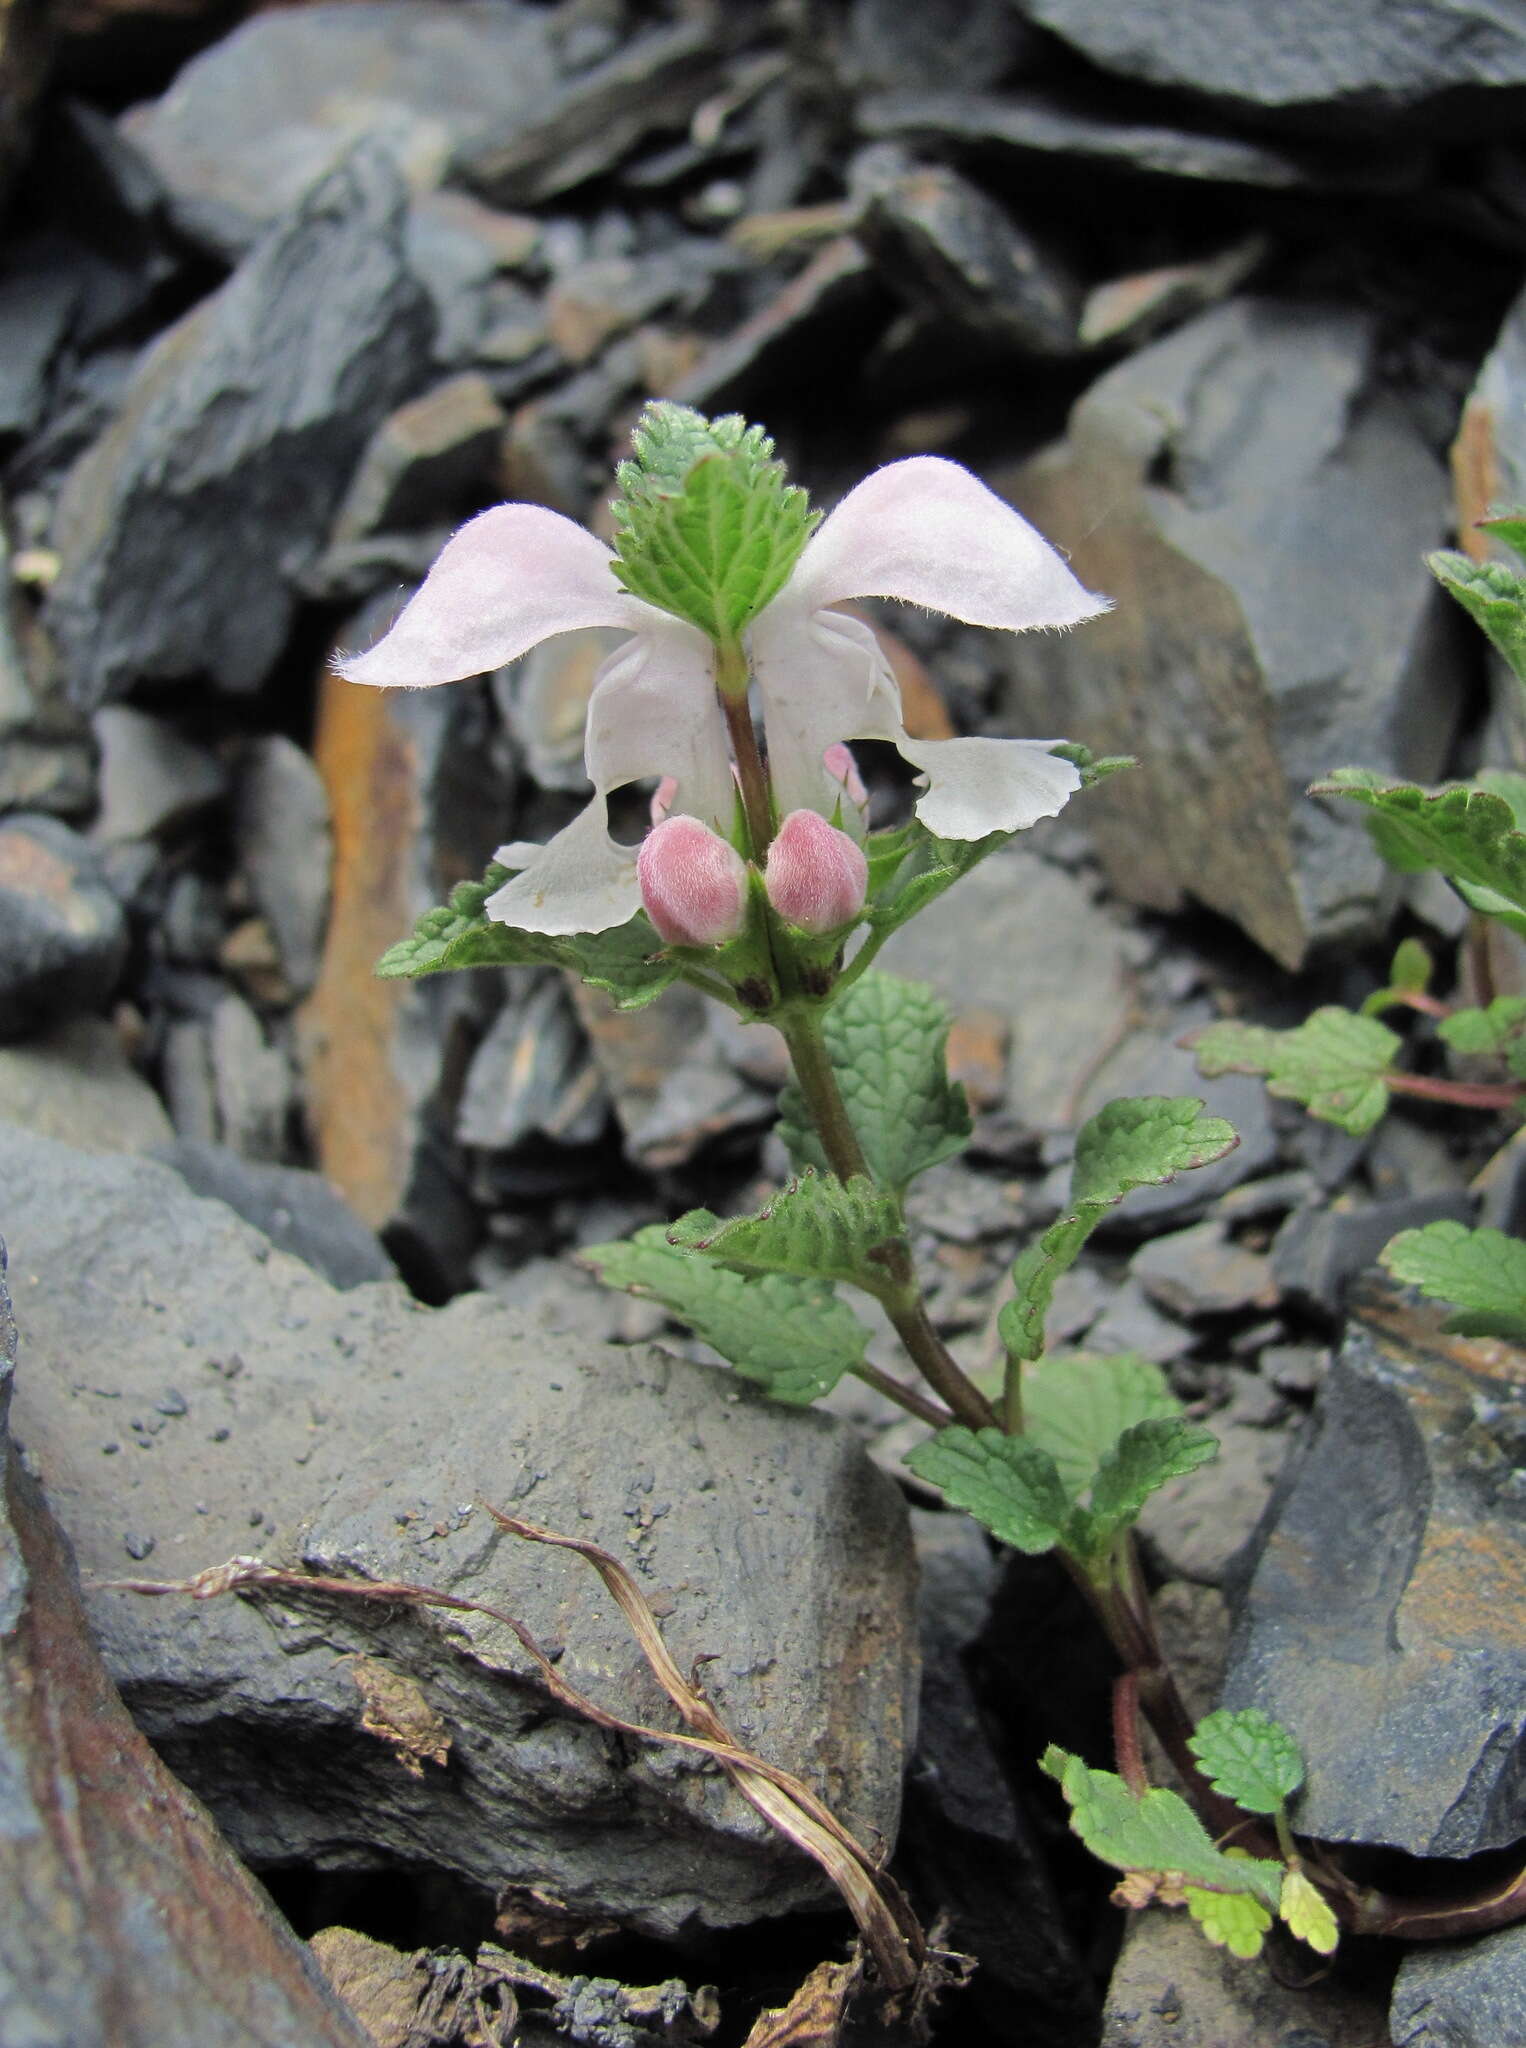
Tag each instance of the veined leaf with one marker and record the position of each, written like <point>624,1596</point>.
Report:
<point>1483,1271</point>
<point>1009,1485</point>
<point>1077,1406</point>
<point>1469,834</point>
<point>1249,1757</point>
<point>1334,1063</point>
<point>817,1226</point>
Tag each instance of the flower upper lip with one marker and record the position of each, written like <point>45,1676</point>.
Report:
<point>923,530</point>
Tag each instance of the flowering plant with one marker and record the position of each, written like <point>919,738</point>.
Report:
<point>760,883</point>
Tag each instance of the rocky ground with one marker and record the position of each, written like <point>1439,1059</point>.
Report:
<point>1230,311</point>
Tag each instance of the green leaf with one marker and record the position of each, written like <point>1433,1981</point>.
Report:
<point>1469,834</point>
<point>707,527</point>
<point>1137,1141</point>
<point>1410,975</point>
<point>1493,596</point>
<point>790,1334</point>
<point>1235,1921</point>
<point>1334,1063</point>
<point>1483,1271</point>
<point>629,962</point>
<point>886,1039</point>
<point>911,867</point>
<point>1009,1485</point>
<point>1249,1757</point>
<point>1157,1832</point>
<point>1145,1458</point>
<point>1509,527</point>
<point>1499,1032</point>
<point>1308,1913</point>
<point>817,1226</point>
<point>1077,1407</point>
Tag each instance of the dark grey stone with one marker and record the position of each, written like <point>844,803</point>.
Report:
<point>1035,127</point>
<point>47,757</point>
<point>40,291</point>
<point>359,1433</point>
<point>251,126</point>
<point>1203,1271</point>
<point>428,462</point>
<point>299,1212</point>
<point>152,780</point>
<point>961,259</point>
<point>284,847</point>
<point>1380,1620</point>
<point>181,530</point>
<point>1319,1254</point>
<point>1463,62</point>
<point>1462,1994</point>
<point>532,1072</point>
<point>63,937</point>
<point>942,45</point>
<point>1270,504</point>
<point>74,1082</point>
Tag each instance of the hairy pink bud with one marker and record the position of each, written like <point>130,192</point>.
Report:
<point>816,875</point>
<point>840,765</point>
<point>693,884</point>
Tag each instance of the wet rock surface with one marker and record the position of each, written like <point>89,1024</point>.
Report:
<point>166,1337</point>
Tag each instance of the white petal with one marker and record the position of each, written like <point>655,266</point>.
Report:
<point>928,532</point>
<point>822,679</point>
<point>579,881</point>
<point>509,579</point>
<point>654,713</point>
<point>980,786</point>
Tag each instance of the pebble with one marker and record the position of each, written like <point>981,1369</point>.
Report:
<point>63,936</point>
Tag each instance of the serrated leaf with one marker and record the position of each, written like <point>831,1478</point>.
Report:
<point>1334,1063</point>
<point>1493,596</point>
<point>1146,1457</point>
<point>1249,1757</point>
<point>1232,1920</point>
<point>817,1226</point>
<point>1137,1141</point>
<point>1483,1271</point>
<point>1308,1913</point>
<point>707,527</point>
<point>1009,1485</point>
<point>1077,1407</point>
<point>1156,1832</point>
<point>1498,1032</point>
<point>792,1335</point>
<point>629,961</point>
<point>886,1039</point>
<point>1470,834</point>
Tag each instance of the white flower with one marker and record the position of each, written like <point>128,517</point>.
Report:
<point>923,530</point>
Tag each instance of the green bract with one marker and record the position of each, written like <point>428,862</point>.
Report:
<point>706,527</point>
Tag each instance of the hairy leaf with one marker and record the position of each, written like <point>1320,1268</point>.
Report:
<point>1492,595</point>
<point>817,1226</point>
<point>1483,1271</point>
<point>1146,1457</point>
<point>1469,834</point>
<point>1077,1408</point>
<point>887,1039</point>
<point>790,1334</point>
<point>1249,1757</point>
<point>1334,1063</point>
<point>1232,1920</point>
<point>1157,1832</point>
<point>1009,1485</point>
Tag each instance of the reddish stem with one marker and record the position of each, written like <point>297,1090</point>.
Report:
<point>1126,1749</point>
<point>1466,1094</point>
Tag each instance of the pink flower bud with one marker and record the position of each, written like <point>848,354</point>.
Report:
<point>840,765</point>
<point>817,876</point>
<point>694,885</point>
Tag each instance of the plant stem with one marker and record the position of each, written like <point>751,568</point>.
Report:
<point>902,1298</point>
<point>1126,1748</point>
<point>1012,1397</point>
<point>1466,1094</point>
<point>910,1398</point>
<point>757,797</point>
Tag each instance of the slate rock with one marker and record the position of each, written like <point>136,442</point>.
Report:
<point>1320,1253</point>
<point>1489,475</point>
<point>1127,311</point>
<point>1202,1271</point>
<point>1382,1618</point>
<point>961,259</point>
<point>63,937</point>
<point>251,126</point>
<point>299,1212</point>
<point>1458,1994</point>
<point>957,45</point>
<point>182,528</point>
<point>533,1072</point>
<point>47,758</point>
<point>357,1433</point>
<point>26,57</point>
<point>40,292</point>
<point>417,793</point>
<point>74,1082</point>
<point>1022,937</point>
<point>152,779</point>
<point>130,1920</point>
<point>284,849</point>
<point>835,294</point>
<point>1170,1989</point>
<point>1269,508</point>
<point>1459,63</point>
<point>1196,1528</point>
<point>426,462</point>
<point>1025,127</point>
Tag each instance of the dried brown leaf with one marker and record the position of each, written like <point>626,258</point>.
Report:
<point>397,1711</point>
<point>814,2016</point>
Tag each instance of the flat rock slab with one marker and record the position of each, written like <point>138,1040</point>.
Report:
<point>192,1394</point>
<point>1385,1621</point>
<point>1268,508</point>
<point>1462,1994</point>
